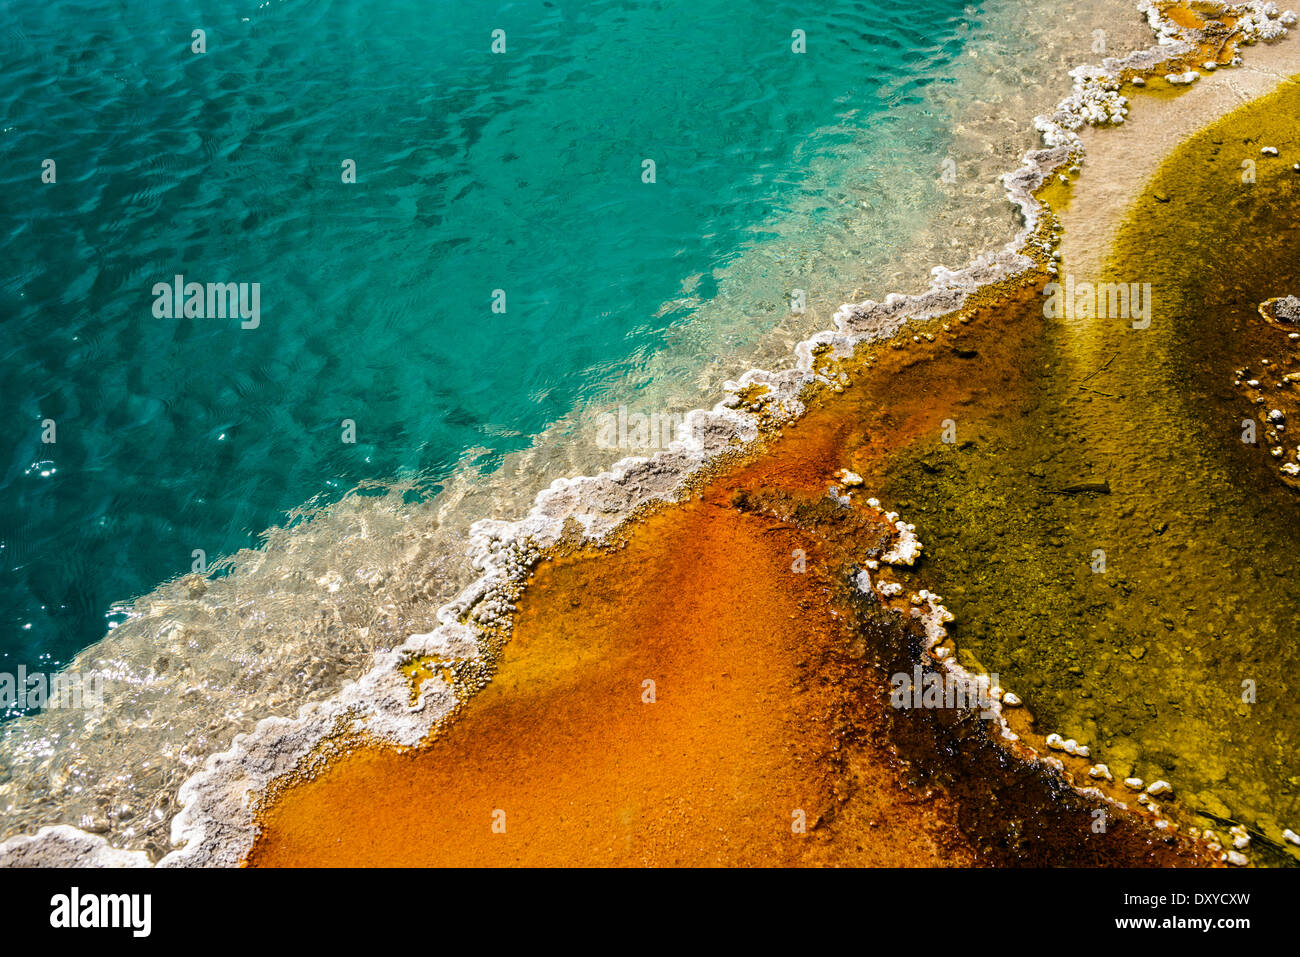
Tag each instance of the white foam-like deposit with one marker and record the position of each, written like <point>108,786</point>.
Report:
<point>66,846</point>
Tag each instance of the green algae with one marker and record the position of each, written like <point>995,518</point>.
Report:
<point>1155,621</point>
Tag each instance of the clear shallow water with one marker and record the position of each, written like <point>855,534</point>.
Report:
<point>475,172</point>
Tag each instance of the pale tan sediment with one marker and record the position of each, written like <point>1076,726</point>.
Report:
<point>1122,158</point>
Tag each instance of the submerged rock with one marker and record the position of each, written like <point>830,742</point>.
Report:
<point>1281,309</point>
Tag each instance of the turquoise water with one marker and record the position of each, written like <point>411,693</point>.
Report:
<point>475,172</point>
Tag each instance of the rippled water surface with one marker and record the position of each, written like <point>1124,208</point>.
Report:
<point>475,172</point>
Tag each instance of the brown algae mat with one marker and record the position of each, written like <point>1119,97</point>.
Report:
<point>1151,613</point>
